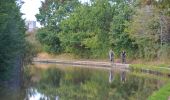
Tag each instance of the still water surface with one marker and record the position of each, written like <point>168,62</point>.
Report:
<point>82,84</point>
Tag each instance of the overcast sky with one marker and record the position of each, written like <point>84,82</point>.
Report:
<point>30,8</point>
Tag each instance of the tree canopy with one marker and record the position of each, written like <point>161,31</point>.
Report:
<point>91,29</point>
<point>12,36</point>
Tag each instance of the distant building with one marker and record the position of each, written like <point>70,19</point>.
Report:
<point>31,25</point>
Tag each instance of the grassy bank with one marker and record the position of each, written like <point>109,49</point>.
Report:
<point>162,68</point>
<point>162,94</point>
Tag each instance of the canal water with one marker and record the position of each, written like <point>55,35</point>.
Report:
<point>69,83</point>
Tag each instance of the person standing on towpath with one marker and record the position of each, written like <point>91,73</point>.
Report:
<point>123,56</point>
<point>111,56</point>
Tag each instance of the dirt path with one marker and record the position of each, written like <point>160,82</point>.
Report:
<point>79,63</point>
<point>95,65</point>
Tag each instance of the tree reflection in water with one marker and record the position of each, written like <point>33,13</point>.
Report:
<point>88,84</point>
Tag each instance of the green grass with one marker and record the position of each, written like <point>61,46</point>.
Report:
<point>162,94</point>
<point>163,68</point>
<point>165,79</point>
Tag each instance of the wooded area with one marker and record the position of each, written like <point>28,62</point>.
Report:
<point>14,49</point>
<point>141,27</point>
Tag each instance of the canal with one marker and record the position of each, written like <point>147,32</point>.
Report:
<point>71,83</point>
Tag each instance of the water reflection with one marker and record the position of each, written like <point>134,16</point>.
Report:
<point>123,76</point>
<point>33,94</point>
<point>86,84</point>
<point>111,76</point>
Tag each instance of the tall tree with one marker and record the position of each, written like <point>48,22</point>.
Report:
<point>12,34</point>
<point>86,29</point>
<point>144,29</point>
<point>52,13</point>
<point>119,38</point>
<point>149,29</point>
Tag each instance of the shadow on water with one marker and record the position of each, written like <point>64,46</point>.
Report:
<point>83,84</point>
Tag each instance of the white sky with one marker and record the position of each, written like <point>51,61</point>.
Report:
<point>30,9</point>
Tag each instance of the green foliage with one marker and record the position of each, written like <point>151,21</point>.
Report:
<point>49,39</point>
<point>53,12</point>
<point>12,34</point>
<point>144,30</point>
<point>84,25</point>
<point>165,52</point>
<point>29,53</point>
<point>119,39</point>
<point>90,29</point>
<point>164,5</point>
